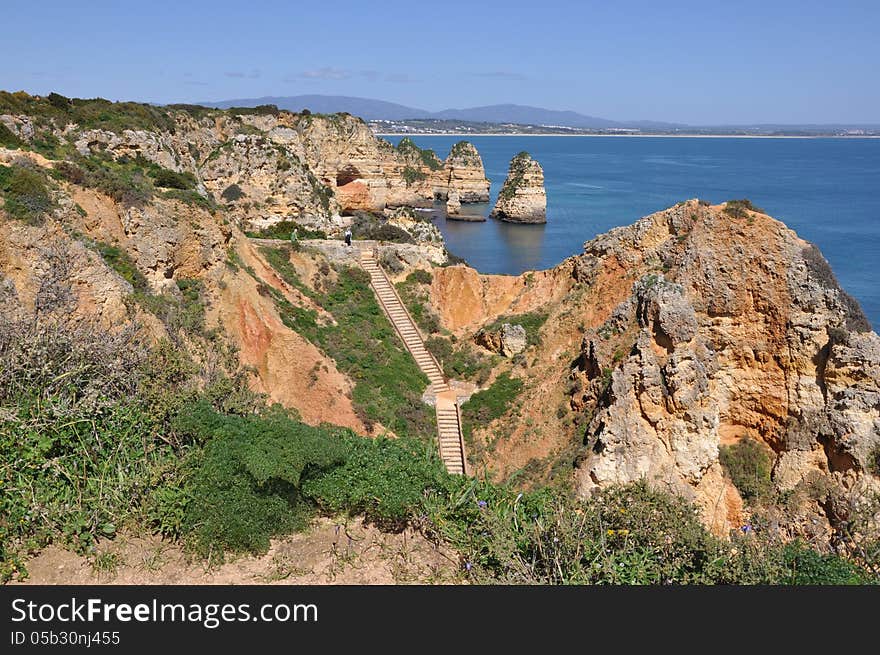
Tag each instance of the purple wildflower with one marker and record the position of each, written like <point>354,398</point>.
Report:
<point>482,504</point>
<point>468,565</point>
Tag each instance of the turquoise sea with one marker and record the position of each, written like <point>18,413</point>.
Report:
<point>827,190</point>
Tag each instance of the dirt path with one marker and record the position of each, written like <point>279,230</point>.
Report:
<point>330,553</point>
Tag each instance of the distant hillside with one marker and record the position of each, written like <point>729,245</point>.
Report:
<point>370,109</point>
<point>366,108</point>
<point>493,118</point>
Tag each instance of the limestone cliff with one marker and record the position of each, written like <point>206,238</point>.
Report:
<point>692,329</point>
<point>522,199</point>
<point>263,165</point>
<point>465,178</point>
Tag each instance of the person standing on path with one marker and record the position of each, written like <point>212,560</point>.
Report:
<point>348,236</point>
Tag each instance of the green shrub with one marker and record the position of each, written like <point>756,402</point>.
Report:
<point>8,139</point>
<point>420,276</point>
<point>162,177</point>
<point>384,480</point>
<point>123,180</point>
<point>622,535</point>
<point>87,113</point>
<point>805,566</point>
<point>749,466</point>
<point>180,313</point>
<point>410,151</point>
<point>190,197</point>
<point>741,208</point>
<point>259,110</point>
<point>412,175</point>
<point>284,229</point>
<point>25,192</point>
<point>247,484</point>
<point>232,193</point>
<point>76,445</point>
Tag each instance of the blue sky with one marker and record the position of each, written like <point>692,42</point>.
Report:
<point>736,61</point>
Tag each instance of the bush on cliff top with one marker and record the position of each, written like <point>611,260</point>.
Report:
<point>95,113</point>
<point>741,208</point>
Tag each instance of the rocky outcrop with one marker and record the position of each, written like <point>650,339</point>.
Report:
<point>742,333</point>
<point>265,166</point>
<point>522,199</point>
<point>507,340</point>
<point>453,204</point>
<point>463,175</point>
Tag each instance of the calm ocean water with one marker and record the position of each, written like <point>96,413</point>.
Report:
<point>827,190</point>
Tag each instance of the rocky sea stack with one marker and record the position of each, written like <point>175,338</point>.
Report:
<point>466,176</point>
<point>522,198</point>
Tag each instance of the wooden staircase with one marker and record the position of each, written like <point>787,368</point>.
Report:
<point>448,416</point>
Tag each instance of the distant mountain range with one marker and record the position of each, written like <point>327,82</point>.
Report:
<point>375,110</point>
<point>370,109</point>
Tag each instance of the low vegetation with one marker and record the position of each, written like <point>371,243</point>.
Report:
<point>748,465</point>
<point>388,383</point>
<point>370,226</point>
<point>96,113</point>
<point>284,230</point>
<point>25,192</point>
<point>741,208</point>
<point>131,181</point>
<point>414,294</point>
<point>120,261</point>
<point>461,361</point>
<point>409,150</point>
<point>487,405</point>
<point>515,176</point>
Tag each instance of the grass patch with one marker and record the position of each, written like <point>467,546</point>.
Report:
<point>420,156</point>
<point>462,362</point>
<point>279,259</point>
<point>8,139</point>
<point>183,312</point>
<point>489,404</point>
<point>364,345</point>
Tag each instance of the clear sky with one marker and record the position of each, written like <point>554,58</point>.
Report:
<point>700,62</point>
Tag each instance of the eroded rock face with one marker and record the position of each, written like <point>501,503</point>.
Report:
<point>508,340</point>
<point>453,204</point>
<point>522,199</point>
<point>274,166</point>
<point>465,175</point>
<point>739,331</point>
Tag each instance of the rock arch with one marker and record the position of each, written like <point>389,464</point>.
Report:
<point>347,175</point>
